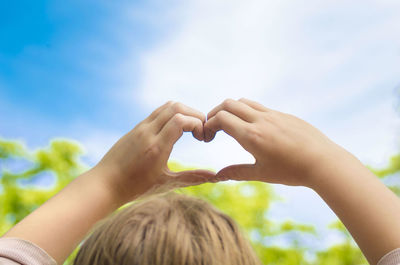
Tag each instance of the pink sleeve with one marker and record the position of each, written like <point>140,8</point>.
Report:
<point>15,251</point>
<point>391,258</point>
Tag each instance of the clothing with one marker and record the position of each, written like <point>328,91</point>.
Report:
<point>391,258</point>
<point>14,251</point>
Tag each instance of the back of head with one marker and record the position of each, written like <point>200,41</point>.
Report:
<point>167,230</point>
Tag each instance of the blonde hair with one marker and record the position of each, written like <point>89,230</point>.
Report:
<point>167,230</point>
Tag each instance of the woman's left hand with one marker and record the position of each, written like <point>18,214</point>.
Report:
<point>138,161</point>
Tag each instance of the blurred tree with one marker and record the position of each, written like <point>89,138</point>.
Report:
<point>247,202</point>
<point>345,253</point>
<point>390,174</point>
<point>19,192</point>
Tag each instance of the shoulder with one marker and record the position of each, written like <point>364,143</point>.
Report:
<point>19,251</point>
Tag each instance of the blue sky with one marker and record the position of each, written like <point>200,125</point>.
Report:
<point>53,64</point>
<point>91,70</point>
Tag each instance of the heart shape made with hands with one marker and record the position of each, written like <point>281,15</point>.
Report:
<point>285,148</point>
<point>232,117</point>
<point>145,150</point>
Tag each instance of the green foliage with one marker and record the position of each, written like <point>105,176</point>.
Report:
<point>392,169</point>
<point>246,202</point>
<point>280,256</point>
<point>60,159</point>
<point>11,148</point>
<point>344,254</point>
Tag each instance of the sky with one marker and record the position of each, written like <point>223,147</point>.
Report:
<point>91,70</point>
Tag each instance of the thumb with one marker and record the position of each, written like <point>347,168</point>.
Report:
<point>190,177</point>
<point>238,172</point>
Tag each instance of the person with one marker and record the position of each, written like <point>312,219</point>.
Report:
<point>175,229</point>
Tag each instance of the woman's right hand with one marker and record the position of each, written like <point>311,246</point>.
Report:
<point>287,150</point>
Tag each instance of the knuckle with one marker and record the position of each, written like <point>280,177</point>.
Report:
<point>255,135</point>
<point>228,103</point>
<point>140,131</point>
<point>269,117</point>
<point>169,103</point>
<point>153,151</point>
<point>178,119</point>
<point>177,107</point>
<point>220,115</point>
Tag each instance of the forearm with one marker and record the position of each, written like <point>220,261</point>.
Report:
<point>369,210</point>
<point>60,224</point>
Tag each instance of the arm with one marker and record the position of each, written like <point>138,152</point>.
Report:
<point>369,210</point>
<point>133,166</point>
<point>290,151</point>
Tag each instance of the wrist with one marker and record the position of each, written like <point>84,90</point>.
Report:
<point>100,180</point>
<point>123,189</point>
<point>330,166</point>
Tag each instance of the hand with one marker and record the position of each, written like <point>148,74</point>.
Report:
<point>138,161</point>
<point>287,149</point>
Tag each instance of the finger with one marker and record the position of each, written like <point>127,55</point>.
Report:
<point>190,177</point>
<point>226,121</point>
<point>167,113</point>
<point>157,111</point>
<point>175,127</point>
<point>237,108</point>
<point>238,172</point>
<point>254,105</point>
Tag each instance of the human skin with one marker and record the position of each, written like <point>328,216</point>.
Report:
<point>133,166</point>
<point>290,151</point>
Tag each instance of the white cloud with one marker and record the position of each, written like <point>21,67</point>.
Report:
<point>312,60</point>
<point>261,49</point>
